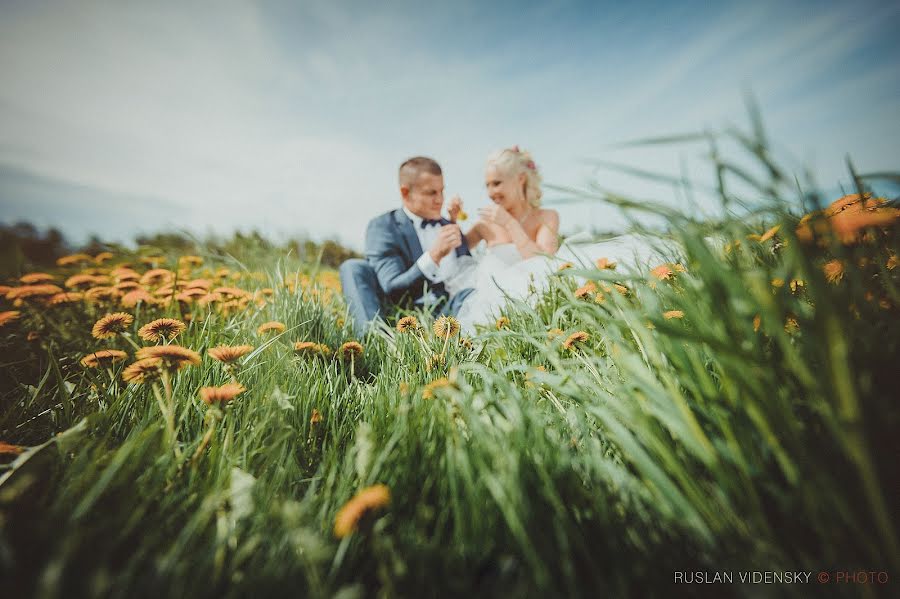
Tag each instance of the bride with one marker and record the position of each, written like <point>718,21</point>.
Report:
<point>518,233</point>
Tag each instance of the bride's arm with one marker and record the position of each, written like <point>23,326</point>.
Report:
<point>545,241</point>
<point>479,231</point>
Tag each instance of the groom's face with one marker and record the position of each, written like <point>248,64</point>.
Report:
<point>425,197</point>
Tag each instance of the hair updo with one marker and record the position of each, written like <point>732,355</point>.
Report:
<point>511,162</point>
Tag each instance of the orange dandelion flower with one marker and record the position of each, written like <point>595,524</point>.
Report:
<point>273,326</point>
<point>757,321</point>
<point>605,264</point>
<point>585,290</point>
<point>222,394</point>
<point>769,234</point>
<point>111,325</point>
<point>622,289</point>
<point>74,259</point>
<point>673,314</point>
<point>174,357</point>
<point>83,281</point>
<point>157,276</point>
<point>366,501</point>
<point>133,298</point>
<point>126,286</point>
<point>306,347</point>
<point>892,262</point>
<point>565,266</point>
<point>599,298</point>
<point>323,349</point>
<point>8,449</point>
<point>834,271</point>
<point>435,361</point>
<point>190,261</point>
<point>446,327</point>
<point>152,261</point>
<point>575,338</point>
<point>32,291</point>
<point>554,333</point>
<point>847,217</point>
<point>210,298</point>
<point>407,323</point>
<point>142,371</point>
<point>229,353</point>
<point>663,272</point>
<point>230,291</point>
<point>316,417</point>
<point>101,294</point>
<point>466,343</point>
<point>8,317</point>
<point>502,323</point>
<point>161,328</point>
<point>351,348</point>
<point>125,274</point>
<point>103,357</point>
<point>33,278</point>
<point>429,391</point>
<point>102,257</point>
<point>204,284</point>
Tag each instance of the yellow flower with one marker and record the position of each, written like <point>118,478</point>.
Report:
<point>585,290</point>
<point>663,272</point>
<point>435,361</point>
<point>575,338</point>
<point>502,323</point>
<point>366,501</point>
<point>622,289</point>
<point>174,357</point>
<point>8,317</point>
<point>316,417</point>
<point>554,333</point>
<point>221,394</point>
<point>101,294</point>
<point>351,348</point>
<point>446,327</point>
<point>673,314</point>
<point>229,353</point>
<point>111,325</point>
<point>33,278</point>
<point>407,323</point>
<point>769,234</point>
<point>161,328</point>
<point>73,259</point>
<point>461,216</point>
<point>157,276</point>
<point>102,257</point>
<point>777,283</point>
<point>233,292</point>
<point>834,271</point>
<point>142,371</point>
<point>466,343</point>
<point>605,264</point>
<point>32,291</point>
<point>797,285</point>
<point>273,326</point>
<point>892,262</point>
<point>565,266</point>
<point>430,388</point>
<point>190,261</point>
<point>757,321</point>
<point>133,298</point>
<point>103,357</point>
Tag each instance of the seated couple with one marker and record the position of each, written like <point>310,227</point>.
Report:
<point>417,258</point>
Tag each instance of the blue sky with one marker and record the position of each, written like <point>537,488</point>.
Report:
<point>292,117</point>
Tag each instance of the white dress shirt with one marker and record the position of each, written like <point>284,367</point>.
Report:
<point>435,273</point>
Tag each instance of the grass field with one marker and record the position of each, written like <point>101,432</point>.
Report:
<point>731,409</point>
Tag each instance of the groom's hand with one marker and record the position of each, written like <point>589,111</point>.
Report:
<point>449,238</point>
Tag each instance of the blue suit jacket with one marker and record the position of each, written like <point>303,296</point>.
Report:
<point>392,248</point>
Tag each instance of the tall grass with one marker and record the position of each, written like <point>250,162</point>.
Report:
<point>754,432</point>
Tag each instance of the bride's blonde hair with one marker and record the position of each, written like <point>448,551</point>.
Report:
<point>511,162</point>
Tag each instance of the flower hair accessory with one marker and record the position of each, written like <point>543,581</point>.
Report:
<point>515,149</point>
<point>530,165</point>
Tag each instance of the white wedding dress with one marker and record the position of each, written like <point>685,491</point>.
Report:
<point>498,275</point>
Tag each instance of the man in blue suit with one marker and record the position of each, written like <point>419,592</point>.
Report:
<point>410,252</point>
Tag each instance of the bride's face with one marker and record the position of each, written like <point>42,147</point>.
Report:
<point>503,189</point>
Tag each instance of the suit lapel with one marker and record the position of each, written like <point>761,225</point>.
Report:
<point>408,235</point>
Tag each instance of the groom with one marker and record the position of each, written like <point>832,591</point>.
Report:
<point>410,252</point>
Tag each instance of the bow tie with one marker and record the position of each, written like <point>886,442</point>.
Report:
<point>427,222</point>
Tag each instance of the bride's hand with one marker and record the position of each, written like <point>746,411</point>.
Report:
<point>455,209</point>
<point>496,214</point>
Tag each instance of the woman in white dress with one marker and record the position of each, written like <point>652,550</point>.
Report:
<point>519,235</point>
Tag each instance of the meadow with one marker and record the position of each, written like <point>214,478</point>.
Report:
<point>206,424</point>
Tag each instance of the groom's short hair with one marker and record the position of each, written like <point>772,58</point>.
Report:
<point>412,168</point>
